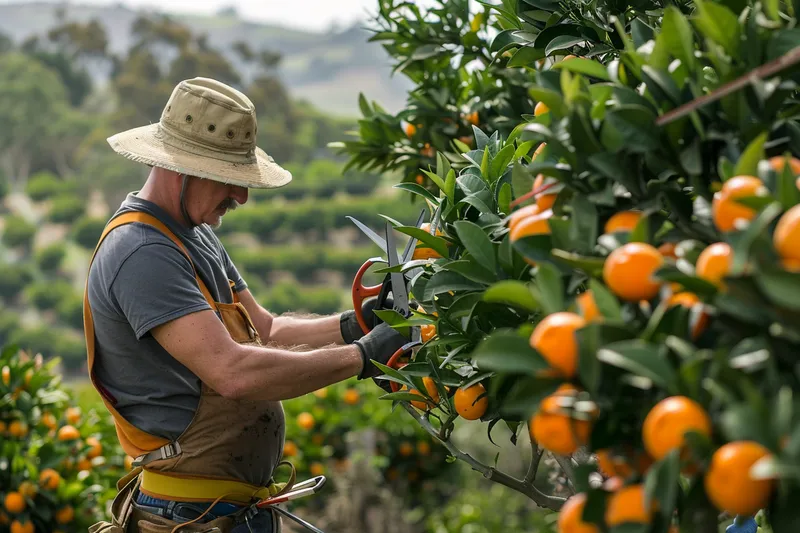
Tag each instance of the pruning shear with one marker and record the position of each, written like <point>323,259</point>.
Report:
<point>304,488</point>
<point>394,282</point>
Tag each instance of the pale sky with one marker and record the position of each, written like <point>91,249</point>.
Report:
<point>315,15</point>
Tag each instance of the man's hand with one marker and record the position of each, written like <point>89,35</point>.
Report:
<point>378,345</point>
<point>348,323</point>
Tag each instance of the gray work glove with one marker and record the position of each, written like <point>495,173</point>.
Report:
<point>378,345</point>
<point>348,323</point>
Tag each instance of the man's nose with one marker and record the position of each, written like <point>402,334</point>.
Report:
<point>239,194</point>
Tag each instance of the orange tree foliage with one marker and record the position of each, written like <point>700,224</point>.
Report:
<point>612,278</point>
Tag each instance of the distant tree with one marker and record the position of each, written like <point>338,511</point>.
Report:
<point>6,44</point>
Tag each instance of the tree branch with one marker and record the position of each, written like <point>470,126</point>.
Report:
<point>536,458</point>
<point>566,465</point>
<point>522,486</point>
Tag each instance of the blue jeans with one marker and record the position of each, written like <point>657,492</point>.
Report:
<point>182,512</point>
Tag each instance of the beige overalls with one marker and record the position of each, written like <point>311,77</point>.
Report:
<point>220,455</point>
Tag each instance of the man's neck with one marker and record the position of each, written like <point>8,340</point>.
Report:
<point>170,203</point>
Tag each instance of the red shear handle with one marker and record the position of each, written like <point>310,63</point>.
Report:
<point>361,293</point>
<point>394,361</point>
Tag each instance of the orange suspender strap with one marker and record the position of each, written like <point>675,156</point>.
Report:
<point>134,441</point>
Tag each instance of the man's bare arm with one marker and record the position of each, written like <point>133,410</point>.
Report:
<point>202,344</point>
<point>292,330</point>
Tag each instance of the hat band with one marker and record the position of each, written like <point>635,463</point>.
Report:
<point>174,138</point>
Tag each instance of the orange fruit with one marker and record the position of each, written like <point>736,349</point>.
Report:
<point>316,469</point>
<point>49,479</point>
<point>520,214</point>
<point>628,271</point>
<point>725,211</point>
<point>623,464</point>
<point>97,447</point>
<point>536,153</point>
<point>698,322</point>
<point>419,179</point>
<point>667,422</point>
<point>317,439</point>
<point>790,265</point>
<point>18,428</point>
<point>305,420</point>
<point>786,238</point>
<point>73,415</point>
<point>627,505</point>
<point>467,403</point>
<point>423,448</point>
<point>546,201</point>
<point>3,518</point>
<point>554,338</point>
<point>321,393</point>
<point>430,387</point>
<point>570,517</point>
<point>729,484</point>
<point>420,252</point>
<point>555,430</point>
<point>409,129</point>
<point>22,527</point>
<point>427,151</point>
<point>668,250</point>
<point>65,515</point>
<point>27,489</point>
<point>540,109</point>
<point>472,118</point>
<point>622,221</point>
<point>427,332</point>
<point>587,306</point>
<point>289,449</point>
<point>68,432</point>
<point>14,502</point>
<point>84,464</point>
<point>49,420</point>
<point>406,449</point>
<point>779,162</point>
<point>6,375</point>
<point>351,397</point>
<point>714,263</point>
<point>532,225</point>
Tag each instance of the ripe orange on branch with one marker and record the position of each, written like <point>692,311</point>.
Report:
<point>587,306</point>
<point>555,428</point>
<point>729,484</point>
<point>570,518</point>
<point>554,338</point>
<point>622,221</point>
<point>668,421</point>
<point>467,403</point>
<point>627,505</point>
<point>628,271</point>
<point>714,263</point>
<point>727,213</point>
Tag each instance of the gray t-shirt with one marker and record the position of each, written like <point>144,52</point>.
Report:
<point>139,280</point>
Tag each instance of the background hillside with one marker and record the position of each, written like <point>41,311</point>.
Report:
<point>327,69</point>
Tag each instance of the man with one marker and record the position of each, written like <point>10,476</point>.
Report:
<point>188,363</point>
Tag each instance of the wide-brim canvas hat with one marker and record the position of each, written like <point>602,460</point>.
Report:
<point>208,130</point>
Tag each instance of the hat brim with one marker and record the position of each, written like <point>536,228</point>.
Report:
<point>146,145</point>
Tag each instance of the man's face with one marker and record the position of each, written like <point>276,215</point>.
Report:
<point>207,201</point>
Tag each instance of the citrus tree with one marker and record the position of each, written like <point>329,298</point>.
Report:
<point>58,463</point>
<point>615,270</point>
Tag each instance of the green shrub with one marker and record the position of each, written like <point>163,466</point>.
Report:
<point>70,310</point>
<point>9,321</point>
<point>72,351</point>
<point>18,232</point>
<point>45,184</point>
<point>87,230</point>
<point>13,279</point>
<point>50,258</point>
<point>289,296</point>
<point>46,295</point>
<point>67,208</point>
<point>37,339</point>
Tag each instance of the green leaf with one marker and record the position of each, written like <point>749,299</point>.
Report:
<point>590,338</point>
<point>523,149</point>
<point>472,271</point>
<point>512,292</point>
<point>719,24</point>
<point>786,187</point>
<point>521,180</point>
<point>661,484</point>
<point>550,288</point>
<point>580,65</point>
<point>450,185</point>
<point>419,190</point>
<point>442,166</point>
<point>677,33</point>
<point>748,162</point>
<point>432,241</point>
<point>504,198</point>
<point>781,287</point>
<point>636,127</point>
<point>364,105</point>
<point>445,281</point>
<point>562,42</point>
<point>593,266</point>
<point>477,243</point>
<point>434,178</point>
<point>524,56</point>
<point>501,161</point>
<point>551,99</point>
<point>745,240</point>
<point>693,284</point>
<point>641,359</point>
<point>509,352</point>
<point>606,302</point>
<point>534,247</point>
<point>585,226</point>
